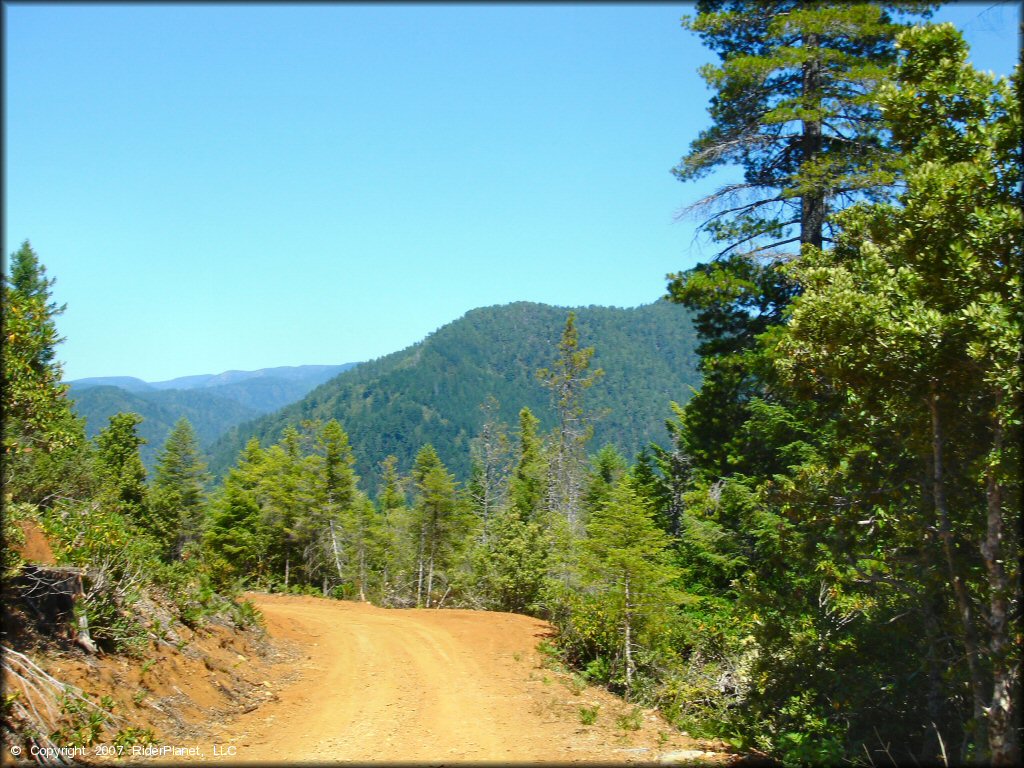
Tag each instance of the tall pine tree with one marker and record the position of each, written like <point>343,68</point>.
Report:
<point>178,498</point>
<point>568,380</point>
<point>42,439</point>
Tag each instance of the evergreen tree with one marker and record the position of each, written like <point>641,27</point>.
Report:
<point>178,496</point>
<point>391,496</point>
<point>569,379</point>
<point>438,520</point>
<point>330,521</point>
<point>287,491</point>
<point>527,488</point>
<point>914,321</point>
<point>850,447</point>
<point>793,109</point>
<point>340,479</point>
<point>364,538</point>
<point>514,563</point>
<point>122,473</point>
<point>670,482</point>
<point>399,539</point>
<point>489,464</point>
<point>235,538</point>
<point>28,281</point>
<point>43,442</point>
<point>607,467</point>
<point>625,563</point>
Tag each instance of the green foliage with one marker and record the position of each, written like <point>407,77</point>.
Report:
<point>234,538</point>
<point>441,521</point>
<point>588,715</point>
<point>129,737</point>
<point>627,597</point>
<point>178,496</point>
<point>42,440</point>
<point>123,476</point>
<point>528,486</point>
<point>81,722</point>
<point>212,404</point>
<point>607,467</point>
<point>340,479</point>
<point>854,450</point>
<point>632,720</point>
<point>119,560</point>
<point>735,301</point>
<point>792,107</point>
<point>513,562</point>
<point>910,320</point>
<point>430,393</point>
<point>568,382</point>
<point>247,615</point>
<point>13,536</point>
<point>490,452</point>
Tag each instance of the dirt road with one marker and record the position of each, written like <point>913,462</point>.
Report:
<point>430,686</point>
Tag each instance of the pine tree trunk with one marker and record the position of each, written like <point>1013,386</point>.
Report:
<point>629,643</point>
<point>420,564</point>
<point>430,575</point>
<point>362,574</point>
<point>812,204</point>
<point>334,549</point>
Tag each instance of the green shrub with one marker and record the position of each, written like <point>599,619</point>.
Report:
<point>81,723</point>
<point>632,720</point>
<point>598,670</point>
<point>129,737</point>
<point>246,615</point>
<point>588,715</point>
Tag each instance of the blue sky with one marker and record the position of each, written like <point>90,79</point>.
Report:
<point>243,186</point>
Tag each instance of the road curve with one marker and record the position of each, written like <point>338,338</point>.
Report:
<point>426,686</point>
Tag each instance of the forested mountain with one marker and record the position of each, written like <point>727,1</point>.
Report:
<point>127,383</point>
<point>432,391</point>
<point>211,414</point>
<point>211,402</point>
<point>299,375</point>
<point>820,562</point>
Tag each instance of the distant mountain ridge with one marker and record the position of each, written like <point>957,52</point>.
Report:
<point>212,402</point>
<point>205,380</point>
<point>431,391</point>
<point>127,383</point>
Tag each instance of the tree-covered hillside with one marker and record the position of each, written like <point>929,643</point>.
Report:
<point>212,403</point>
<point>432,391</point>
<point>210,414</point>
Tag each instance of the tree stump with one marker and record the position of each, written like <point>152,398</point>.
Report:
<point>52,592</point>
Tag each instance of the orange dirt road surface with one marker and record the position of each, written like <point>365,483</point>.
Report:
<point>431,686</point>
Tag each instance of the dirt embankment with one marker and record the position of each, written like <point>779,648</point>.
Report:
<point>340,681</point>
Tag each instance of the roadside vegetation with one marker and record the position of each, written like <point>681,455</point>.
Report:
<point>123,568</point>
<point>822,564</point>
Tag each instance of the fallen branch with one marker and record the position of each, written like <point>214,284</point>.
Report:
<point>41,691</point>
